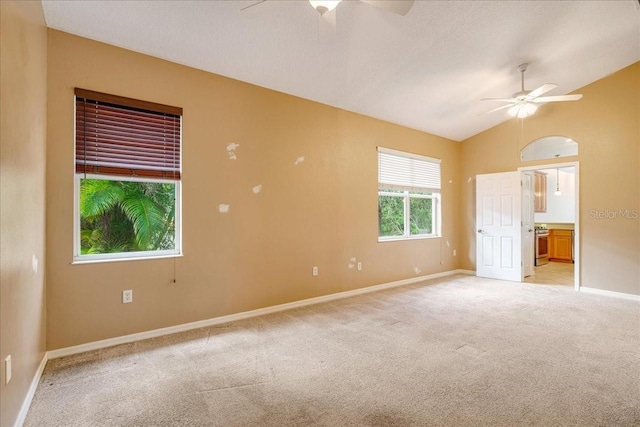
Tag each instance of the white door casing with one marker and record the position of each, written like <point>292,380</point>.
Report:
<point>528,229</point>
<point>498,226</point>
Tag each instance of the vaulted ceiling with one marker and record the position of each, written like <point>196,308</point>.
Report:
<point>426,70</point>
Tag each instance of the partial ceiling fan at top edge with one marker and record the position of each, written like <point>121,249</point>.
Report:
<point>400,7</point>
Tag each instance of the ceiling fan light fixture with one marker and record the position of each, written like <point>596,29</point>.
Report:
<point>522,110</point>
<point>323,6</point>
<point>513,111</point>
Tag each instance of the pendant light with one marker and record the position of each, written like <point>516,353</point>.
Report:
<point>557,192</point>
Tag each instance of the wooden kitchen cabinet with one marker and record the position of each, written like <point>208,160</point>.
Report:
<point>561,245</point>
<point>539,191</point>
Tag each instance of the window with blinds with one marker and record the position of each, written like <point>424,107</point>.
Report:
<point>128,170</point>
<point>408,195</point>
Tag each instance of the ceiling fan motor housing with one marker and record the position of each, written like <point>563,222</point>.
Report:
<point>521,95</point>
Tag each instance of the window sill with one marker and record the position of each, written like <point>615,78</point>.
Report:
<point>80,261</point>
<point>402,238</point>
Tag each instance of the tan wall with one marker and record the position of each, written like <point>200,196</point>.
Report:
<point>321,212</point>
<point>606,125</point>
<point>23,67</point>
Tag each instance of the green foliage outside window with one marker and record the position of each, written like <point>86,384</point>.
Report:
<point>391,214</point>
<point>126,216</point>
<point>420,211</point>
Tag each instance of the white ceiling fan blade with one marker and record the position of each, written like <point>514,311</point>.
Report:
<point>541,90</point>
<point>557,98</point>
<point>502,107</point>
<point>401,7</point>
<point>511,100</point>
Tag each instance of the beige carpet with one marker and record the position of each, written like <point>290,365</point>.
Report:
<point>460,351</point>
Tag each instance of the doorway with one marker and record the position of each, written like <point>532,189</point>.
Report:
<point>557,217</point>
<point>505,224</point>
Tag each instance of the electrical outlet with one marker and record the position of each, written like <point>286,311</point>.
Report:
<point>7,369</point>
<point>359,266</point>
<point>454,252</point>
<point>314,271</point>
<point>127,296</point>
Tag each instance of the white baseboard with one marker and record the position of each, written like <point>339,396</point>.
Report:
<point>594,291</point>
<point>67,351</point>
<point>24,409</point>
<point>622,295</point>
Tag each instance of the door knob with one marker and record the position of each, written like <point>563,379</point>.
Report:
<point>480,230</point>
<point>530,230</point>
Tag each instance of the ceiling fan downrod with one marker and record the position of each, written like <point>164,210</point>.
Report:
<point>522,68</point>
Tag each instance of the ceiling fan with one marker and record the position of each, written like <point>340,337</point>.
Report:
<point>401,7</point>
<point>523,103</point>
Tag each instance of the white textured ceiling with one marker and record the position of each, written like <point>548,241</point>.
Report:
<point>426,70</point>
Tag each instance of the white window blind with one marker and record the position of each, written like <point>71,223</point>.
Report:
<point>398,170</point>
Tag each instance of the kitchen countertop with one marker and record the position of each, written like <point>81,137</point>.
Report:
<point>557,225</point>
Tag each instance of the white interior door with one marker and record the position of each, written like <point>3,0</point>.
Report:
<point>498,225</point>
<point>528,229</point>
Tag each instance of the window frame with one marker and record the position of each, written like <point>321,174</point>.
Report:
<point>429,190</point>
<point>165,176</point>
<point>407,196</point>
<point>78,258</point>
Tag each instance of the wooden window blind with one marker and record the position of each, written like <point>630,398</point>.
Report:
<point>126,137</point>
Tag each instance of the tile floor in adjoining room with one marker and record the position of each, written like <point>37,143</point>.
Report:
<point>553,273</point>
